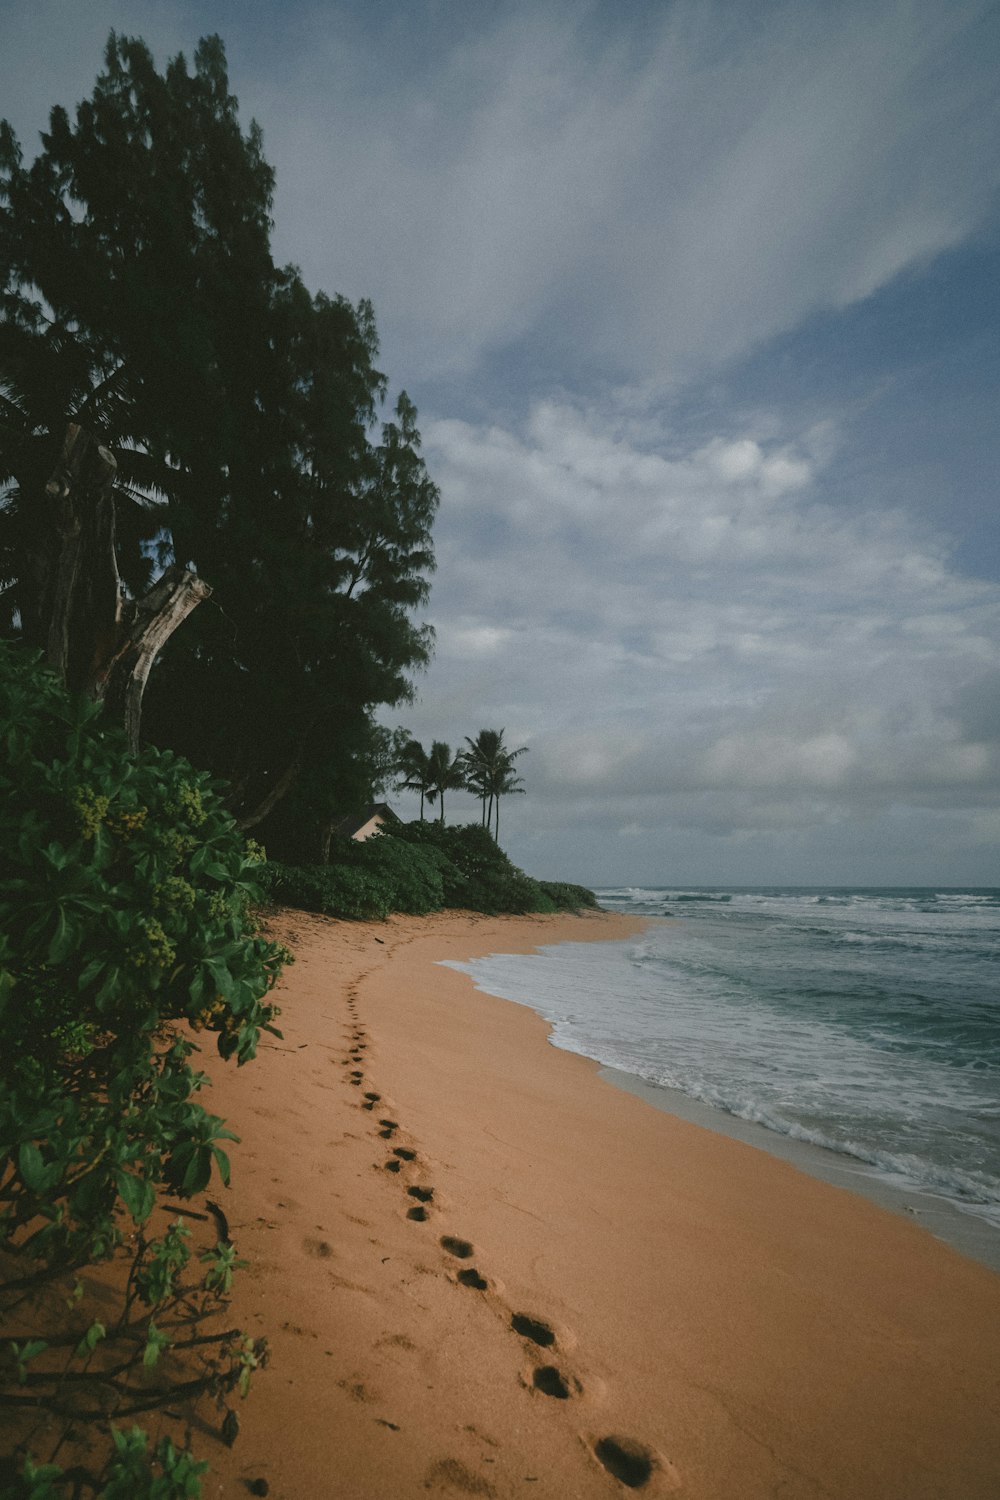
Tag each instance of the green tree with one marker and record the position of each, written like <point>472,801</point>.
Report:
<point>141,300</point>
<point>489,772</point>
<point>414,767</point>
<point>504,782</point>
<point>446,772</point>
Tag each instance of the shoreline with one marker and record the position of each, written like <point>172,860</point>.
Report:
<point>940,1215</point>
<point>964,1232</point>
<point>709,1311</point>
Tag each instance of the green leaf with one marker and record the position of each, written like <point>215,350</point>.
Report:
<point>138,1195</point>
<point>222,1162</point>
<point>108,989</point>
<point>64,939</point>
<point>223,979</point>
<point>90,971</point>
<point>198,1172</point>
<point>156,1342</point>
<point>34,1172</point>
<point>91,1339</point>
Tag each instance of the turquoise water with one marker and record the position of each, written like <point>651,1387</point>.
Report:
<point>863,1021</point>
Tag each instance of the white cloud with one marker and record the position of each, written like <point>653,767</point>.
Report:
<point>703,640</point>
<point>660,196</point>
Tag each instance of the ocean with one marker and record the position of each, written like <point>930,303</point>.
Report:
<point>864,1023</point>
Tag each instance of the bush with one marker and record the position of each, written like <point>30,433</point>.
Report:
<point>478,876</point>
<point>124,894</point>
<point>419,868</point>
<point>566,897</point>
<point>333,890</point>
<point>412,878</point>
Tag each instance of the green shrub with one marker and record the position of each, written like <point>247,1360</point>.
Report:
<point>566,897</point>
<point>419,868</point>
<point>333,890</point>
<point>124,896</point>
<point>413,878</point>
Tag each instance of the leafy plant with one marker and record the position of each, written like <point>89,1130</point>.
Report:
<point>419,867</point>
<point>125,896</point>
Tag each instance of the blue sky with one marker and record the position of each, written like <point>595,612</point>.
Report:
<point>699,306</point>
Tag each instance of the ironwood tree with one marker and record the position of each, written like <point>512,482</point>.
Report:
<point>142,305</point>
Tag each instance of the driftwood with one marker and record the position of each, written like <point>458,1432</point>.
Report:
<point>96,641</point>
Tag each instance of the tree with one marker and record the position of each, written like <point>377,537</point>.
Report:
<point>446,772</point>
<point>489,772</point>
<point>241,407</point>
<point>503,783</point>
<point>414,767</point>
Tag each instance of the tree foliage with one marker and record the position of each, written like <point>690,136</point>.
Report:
<point>445,773</point>
<point>489,772</point>
<point>140,298</point>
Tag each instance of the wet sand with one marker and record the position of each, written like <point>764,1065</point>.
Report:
<point>485,1271</point>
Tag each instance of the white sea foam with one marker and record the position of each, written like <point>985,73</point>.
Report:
<point>871,1031</point>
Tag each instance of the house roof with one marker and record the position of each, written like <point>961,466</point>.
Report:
<point>348,826</point>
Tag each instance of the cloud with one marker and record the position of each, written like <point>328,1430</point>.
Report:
<point>702,639</point>
<point>655,196</point>
<point>647,193</point>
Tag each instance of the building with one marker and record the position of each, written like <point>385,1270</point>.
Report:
<point>362,825</point>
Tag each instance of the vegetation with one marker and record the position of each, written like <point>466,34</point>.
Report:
<point>124,892</point>
<point>242,413</point>
<point>486,769</point>
<point>489,772</point>
<point>170,399</point>
<point>419,867</point>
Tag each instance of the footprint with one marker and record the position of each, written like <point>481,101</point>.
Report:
<point>390,1124</point>
<point>320,1248</point>
<point>418,1213</point>
<point>393,1166</point>
<point>548,1380</point>
<point>628,1461</point>
<point>532,1328</point>
<point>373,1097</point>
<point>472,1278</point>
<point>450,1473</point>
<point>459,1248</point>
<point>404,1153</point>
<point>422,1194</point>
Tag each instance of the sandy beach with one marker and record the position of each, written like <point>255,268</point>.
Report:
<point>483,1270</point>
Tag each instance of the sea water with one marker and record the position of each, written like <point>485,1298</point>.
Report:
<point>865,1022</point>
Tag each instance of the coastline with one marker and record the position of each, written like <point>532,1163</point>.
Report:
<point>964,1232</point>
<point>749,1329</point>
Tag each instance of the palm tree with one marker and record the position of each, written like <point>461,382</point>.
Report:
<point>489,771</point>
<point>503,782</point>
<point>445,772</point>
<point>478,761</point>
<point>414,766</point>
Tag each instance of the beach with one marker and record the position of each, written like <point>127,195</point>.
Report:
<point>482,1270</point>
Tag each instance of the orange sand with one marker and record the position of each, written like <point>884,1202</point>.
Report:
<point>755,1332</point>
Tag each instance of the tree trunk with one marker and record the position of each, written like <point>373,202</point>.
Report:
<point>155,617</point>
<point>95,642</point>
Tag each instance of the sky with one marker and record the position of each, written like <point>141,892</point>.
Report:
<point>699,303</point>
